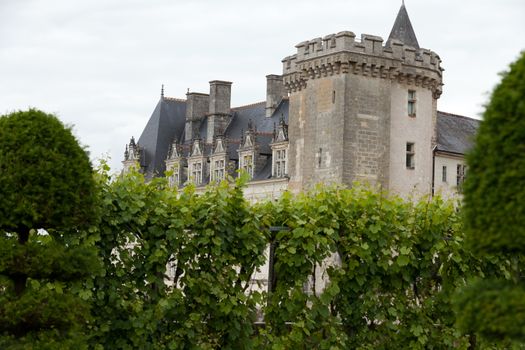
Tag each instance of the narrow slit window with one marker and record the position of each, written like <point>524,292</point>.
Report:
<point>411,103</point>
<point>444,174</point>
<point>410,155</point>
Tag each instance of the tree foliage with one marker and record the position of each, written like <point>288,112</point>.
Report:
<point>394,265</point>
<point>46,182</point>
<point>53,311</point>
<point>495,212</point>
<point>179,270</point>
<point>178,267</point>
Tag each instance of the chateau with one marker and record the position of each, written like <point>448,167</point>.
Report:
<point>344,109</point>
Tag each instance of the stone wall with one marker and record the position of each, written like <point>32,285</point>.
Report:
<point>367,130</point>
<point>265,189</point>
<point>448,188</point>
<point>418,130</point>
<point>316,127</point>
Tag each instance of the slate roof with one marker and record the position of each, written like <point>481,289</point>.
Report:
<point>402,29</point>
<point>265,172</point>
<point>165,123</point>
<point>256,113</point>
<point>455,133</point>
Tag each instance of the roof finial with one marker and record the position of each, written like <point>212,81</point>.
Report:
<point>403,2</point>
<point>162,91</point>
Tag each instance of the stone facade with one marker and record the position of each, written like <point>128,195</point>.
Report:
<point>343,110</point>
<point>449,174</point>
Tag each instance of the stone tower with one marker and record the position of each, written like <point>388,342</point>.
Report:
<point>361,110</point>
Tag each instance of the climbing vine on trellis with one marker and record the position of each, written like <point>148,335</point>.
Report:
<point>353,268</point>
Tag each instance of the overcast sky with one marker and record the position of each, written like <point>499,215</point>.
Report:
<point>99,64</point>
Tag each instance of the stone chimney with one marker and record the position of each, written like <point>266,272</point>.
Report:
<point>275,92</point>
<point>219,108</point>
<point>197,105</point>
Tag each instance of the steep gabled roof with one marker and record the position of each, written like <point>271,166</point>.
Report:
<point>455,133</point>
<point>402,29</point>
<point>264,125</point>
<point>165,123</point>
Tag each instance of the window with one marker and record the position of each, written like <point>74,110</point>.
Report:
<point>196,173</point>
<point>333,96</point>
<point>460,176</point>
<point>444,174</point>
<point>174,179</point>
<point>218,170</point>
<point>410,155</point>
<point>411,103</point>
<point>280,163</point>
<point>247,164</point>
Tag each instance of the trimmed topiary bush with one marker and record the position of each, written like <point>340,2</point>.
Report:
<point>493,308</point>
<point>495,186</point>
<point>494,212</point>
<point>46,179</point>
<point>46,182</point>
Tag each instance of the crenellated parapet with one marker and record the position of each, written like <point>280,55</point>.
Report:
<point>342,53</point>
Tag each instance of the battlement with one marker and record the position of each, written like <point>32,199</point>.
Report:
<point>343,53</point>
<point>368,44</point>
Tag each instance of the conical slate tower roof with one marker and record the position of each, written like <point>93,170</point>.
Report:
<point>402,29</point>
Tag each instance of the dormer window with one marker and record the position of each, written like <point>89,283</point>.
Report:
<point>279,165</point>
<point>280,149</point>
<point>196,173</point>
<point>247,164</point>
<point>218,170</point>
<point>174,179</point>
<point>132,156</point>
